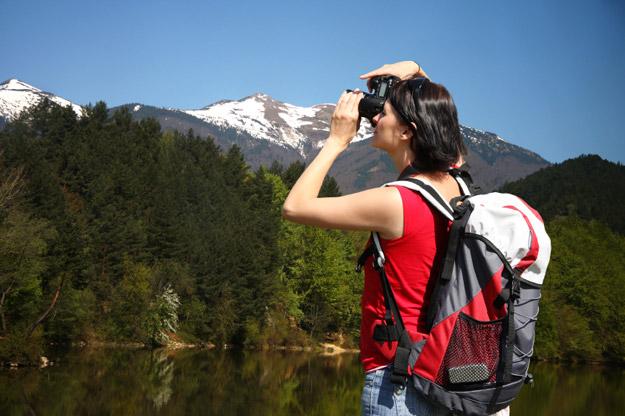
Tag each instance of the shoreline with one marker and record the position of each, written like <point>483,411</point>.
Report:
<point>324,349</point>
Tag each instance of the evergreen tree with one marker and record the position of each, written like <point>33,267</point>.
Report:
<point>586,186</point>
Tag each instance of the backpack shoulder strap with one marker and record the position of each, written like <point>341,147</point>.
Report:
<point>463,185</point>
<point>429,192</point>
<point>461,175</point>
<point>464,179</point>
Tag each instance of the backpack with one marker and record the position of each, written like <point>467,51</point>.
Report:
<point>484,305</point>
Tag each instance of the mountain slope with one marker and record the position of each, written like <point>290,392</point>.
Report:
<point>363,166</point>
<point>588,186</point>
<point>256,150</point>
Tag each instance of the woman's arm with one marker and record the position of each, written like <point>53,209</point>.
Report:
<point>375,209</point>
<point>402,70</point>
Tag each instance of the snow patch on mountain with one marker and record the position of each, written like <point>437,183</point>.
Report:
<point>264,118</point>
<point>244,115</point>
<point>295,116</point>
<point>477,136</point>
<point>16,95</point>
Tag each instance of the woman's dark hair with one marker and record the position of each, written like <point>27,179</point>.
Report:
<point>436,142</point>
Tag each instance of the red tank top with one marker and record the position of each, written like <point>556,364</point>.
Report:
<point>410,261</point>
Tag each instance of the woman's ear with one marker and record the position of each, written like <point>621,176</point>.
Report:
<point>408,132</point>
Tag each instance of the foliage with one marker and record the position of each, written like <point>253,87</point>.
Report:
<point>587,186</point>
<point>158,232</point>
<point>22,263</point>
<point>580,316</point>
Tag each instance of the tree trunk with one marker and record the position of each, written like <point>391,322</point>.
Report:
<point>2,317</point>
<point>55,298</point>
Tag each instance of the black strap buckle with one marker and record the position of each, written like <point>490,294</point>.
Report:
<point>398,379</point>
<point>400,366</point>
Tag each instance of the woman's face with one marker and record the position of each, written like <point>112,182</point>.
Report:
<point>389,128</point>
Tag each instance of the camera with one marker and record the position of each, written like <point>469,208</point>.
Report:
<point>373,103</point>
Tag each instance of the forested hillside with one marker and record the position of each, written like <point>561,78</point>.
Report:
<point>114,231</point>
<point>587,186</point>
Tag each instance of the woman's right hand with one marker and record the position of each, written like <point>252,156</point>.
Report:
<point>345,120</point>
<point>402,70</point>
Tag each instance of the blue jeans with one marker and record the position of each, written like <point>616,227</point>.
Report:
<point>380,397</point>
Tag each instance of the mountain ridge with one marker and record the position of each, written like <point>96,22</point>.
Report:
<point>267,129</point>
<point>588,186</point>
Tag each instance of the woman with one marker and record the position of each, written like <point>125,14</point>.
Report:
<point>418,127</point>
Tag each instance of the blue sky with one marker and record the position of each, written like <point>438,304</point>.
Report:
<point>546,75</point>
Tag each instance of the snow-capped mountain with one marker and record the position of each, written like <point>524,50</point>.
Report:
<point>284,124</point>
<point>16,96</point>
<point>305,129</point>
<point>269,130</point>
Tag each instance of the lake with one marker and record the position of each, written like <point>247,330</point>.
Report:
<point>216,382</point>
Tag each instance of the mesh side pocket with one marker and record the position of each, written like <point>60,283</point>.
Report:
<point>473,353</point>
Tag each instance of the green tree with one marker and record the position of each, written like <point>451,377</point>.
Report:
<point>22,250</point>
<point>585,279</point>
<point>131,300</point>
<point>163,316</point>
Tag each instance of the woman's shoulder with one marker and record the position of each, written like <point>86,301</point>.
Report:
<point>387,195</point>
<point>408,208</point>
<point>408,196</point>
<point>414,206</point>
<point>391,196</point>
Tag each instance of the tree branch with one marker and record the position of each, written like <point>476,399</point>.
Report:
<point>11,186</point>
<point>2,317</point>
<point>55,298</point>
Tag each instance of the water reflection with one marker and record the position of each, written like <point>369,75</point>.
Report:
<point>566,389</point>
<point>122,382</point>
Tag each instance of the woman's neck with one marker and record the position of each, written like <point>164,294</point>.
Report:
<point>402,158</point>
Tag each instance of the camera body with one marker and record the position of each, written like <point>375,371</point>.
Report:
<point>373,103</point>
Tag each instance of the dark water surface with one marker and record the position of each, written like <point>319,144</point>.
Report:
<point>126,382</point>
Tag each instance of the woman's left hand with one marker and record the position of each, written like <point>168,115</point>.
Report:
<point>402,70</point>
<point>345,120</point>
